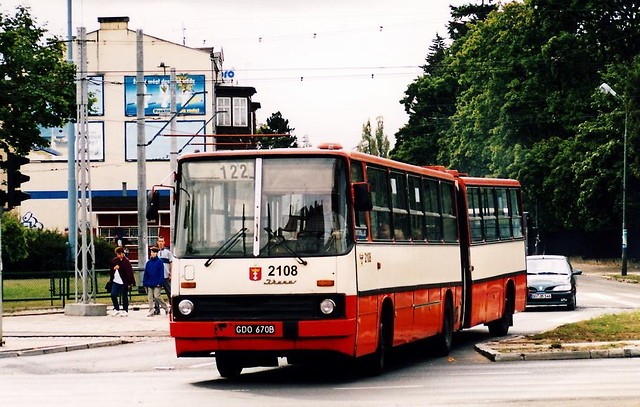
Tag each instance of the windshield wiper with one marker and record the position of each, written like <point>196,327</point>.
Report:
<point>226,246</point>
<point>281,241</point>
<point>231,242</point>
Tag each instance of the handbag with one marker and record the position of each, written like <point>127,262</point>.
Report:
<point>107,286</point>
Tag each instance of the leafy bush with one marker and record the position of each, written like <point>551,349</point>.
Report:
<point>14,240</point>
<point>43,249</point>
<point>104,252</point>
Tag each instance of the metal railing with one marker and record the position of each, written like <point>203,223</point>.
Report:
<point>42,289</point>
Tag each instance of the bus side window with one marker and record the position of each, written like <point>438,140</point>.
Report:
<point>475,219</point>
<point>399,206</point>
<point>381,212</point>
<point>433,215</point>
<point>515,214</point>
<point>504,221</point>
<point>449,220</point>
<point>357,175</point>
<point>489,215</point>
<point>415,208</point>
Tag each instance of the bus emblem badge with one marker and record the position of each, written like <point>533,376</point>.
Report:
<point>255,273</point>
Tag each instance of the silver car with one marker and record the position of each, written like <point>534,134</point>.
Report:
<point>551,281</point>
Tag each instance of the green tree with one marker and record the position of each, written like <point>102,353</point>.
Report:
<point>521,102</point>
<point>376,144</point>
<point>381,139</point>
<point>367,144</point>
<point>276,124</point>
<point>429,102</point>
<point>464,15</point>
<point>37,85</point>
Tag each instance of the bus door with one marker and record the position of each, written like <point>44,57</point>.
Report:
<point>465,250</point>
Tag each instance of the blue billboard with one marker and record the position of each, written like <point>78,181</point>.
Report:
<point>157,95</point>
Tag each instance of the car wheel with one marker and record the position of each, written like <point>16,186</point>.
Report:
<point>571,305</point>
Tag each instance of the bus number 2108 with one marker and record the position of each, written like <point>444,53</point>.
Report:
<point>283,271</point>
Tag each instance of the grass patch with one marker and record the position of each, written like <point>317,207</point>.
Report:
<point>629,278</point>
<point>47,293</point>
<point>33,288</point>
<point>614,327</point>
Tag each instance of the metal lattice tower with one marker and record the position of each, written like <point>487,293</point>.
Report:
<point>85,249</point>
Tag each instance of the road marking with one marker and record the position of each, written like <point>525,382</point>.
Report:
<point>202,365</point>
<point>493,373</point>
<point>612,299</point>
<point>378,387</point>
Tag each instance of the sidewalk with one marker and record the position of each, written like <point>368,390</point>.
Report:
<point>518,348</point>
<point>51,332</point>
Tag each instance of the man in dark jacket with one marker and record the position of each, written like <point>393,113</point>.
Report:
<point>122,279</point>
<point>153,279</point>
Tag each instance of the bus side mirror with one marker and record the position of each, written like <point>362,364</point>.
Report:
<point>361,196</point>
<point>153,206</point>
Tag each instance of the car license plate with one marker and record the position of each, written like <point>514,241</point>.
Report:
<point>257,329</point>
<point>540,296</point>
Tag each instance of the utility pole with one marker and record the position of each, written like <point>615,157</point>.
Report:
<point>217,59</point>
<point>173,151</point>
<point>84,253</point>
<point>142,154</point>
<point>72,194</point>
<point>1,267</point>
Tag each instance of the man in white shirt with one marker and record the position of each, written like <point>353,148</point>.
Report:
<point>167,259</point>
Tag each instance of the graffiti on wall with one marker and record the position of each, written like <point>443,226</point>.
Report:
<point>29,220</point>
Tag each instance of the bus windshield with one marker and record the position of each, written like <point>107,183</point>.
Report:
<point>262,207</point>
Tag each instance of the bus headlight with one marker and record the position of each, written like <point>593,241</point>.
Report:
<point>327,306</point>
<point>185,307</point>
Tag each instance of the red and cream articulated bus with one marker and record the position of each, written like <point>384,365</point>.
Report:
<point>306,253</point>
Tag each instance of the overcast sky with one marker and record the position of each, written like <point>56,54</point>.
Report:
<point>327,65</point>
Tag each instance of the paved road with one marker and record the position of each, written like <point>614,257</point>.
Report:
<point>147,372</point>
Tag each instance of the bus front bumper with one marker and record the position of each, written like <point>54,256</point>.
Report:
<point>202,338</point>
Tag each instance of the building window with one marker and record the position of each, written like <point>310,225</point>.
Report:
<point>240,112</point>
<point>223,104</point>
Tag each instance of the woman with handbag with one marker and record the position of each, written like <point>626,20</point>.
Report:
<point>122,279</point>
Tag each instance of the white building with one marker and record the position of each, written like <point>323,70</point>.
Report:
<point>111,55</point>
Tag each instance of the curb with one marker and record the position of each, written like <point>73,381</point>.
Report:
<point>497,356</point>
<point>45,350</point>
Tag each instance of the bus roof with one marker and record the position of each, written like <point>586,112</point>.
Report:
<point>476,181</point>
<point>336,149</point>
<point>332,150</point>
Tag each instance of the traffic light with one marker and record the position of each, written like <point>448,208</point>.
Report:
<point>3,198</point>
<point>153,206</point>
<point>14,178</point>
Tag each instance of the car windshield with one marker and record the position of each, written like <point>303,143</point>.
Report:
<point>548,266</point>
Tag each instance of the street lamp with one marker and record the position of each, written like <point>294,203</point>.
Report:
<point>605,88</point>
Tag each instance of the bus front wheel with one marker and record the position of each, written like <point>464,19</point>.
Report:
<point>378,360</point>
<point>229,366</point>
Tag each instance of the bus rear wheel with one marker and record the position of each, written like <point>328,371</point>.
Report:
<point>229,366</point>
<point>500,327</point>
<point>444,340</point>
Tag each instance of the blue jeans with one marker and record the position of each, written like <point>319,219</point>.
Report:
<point>120,291</point>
